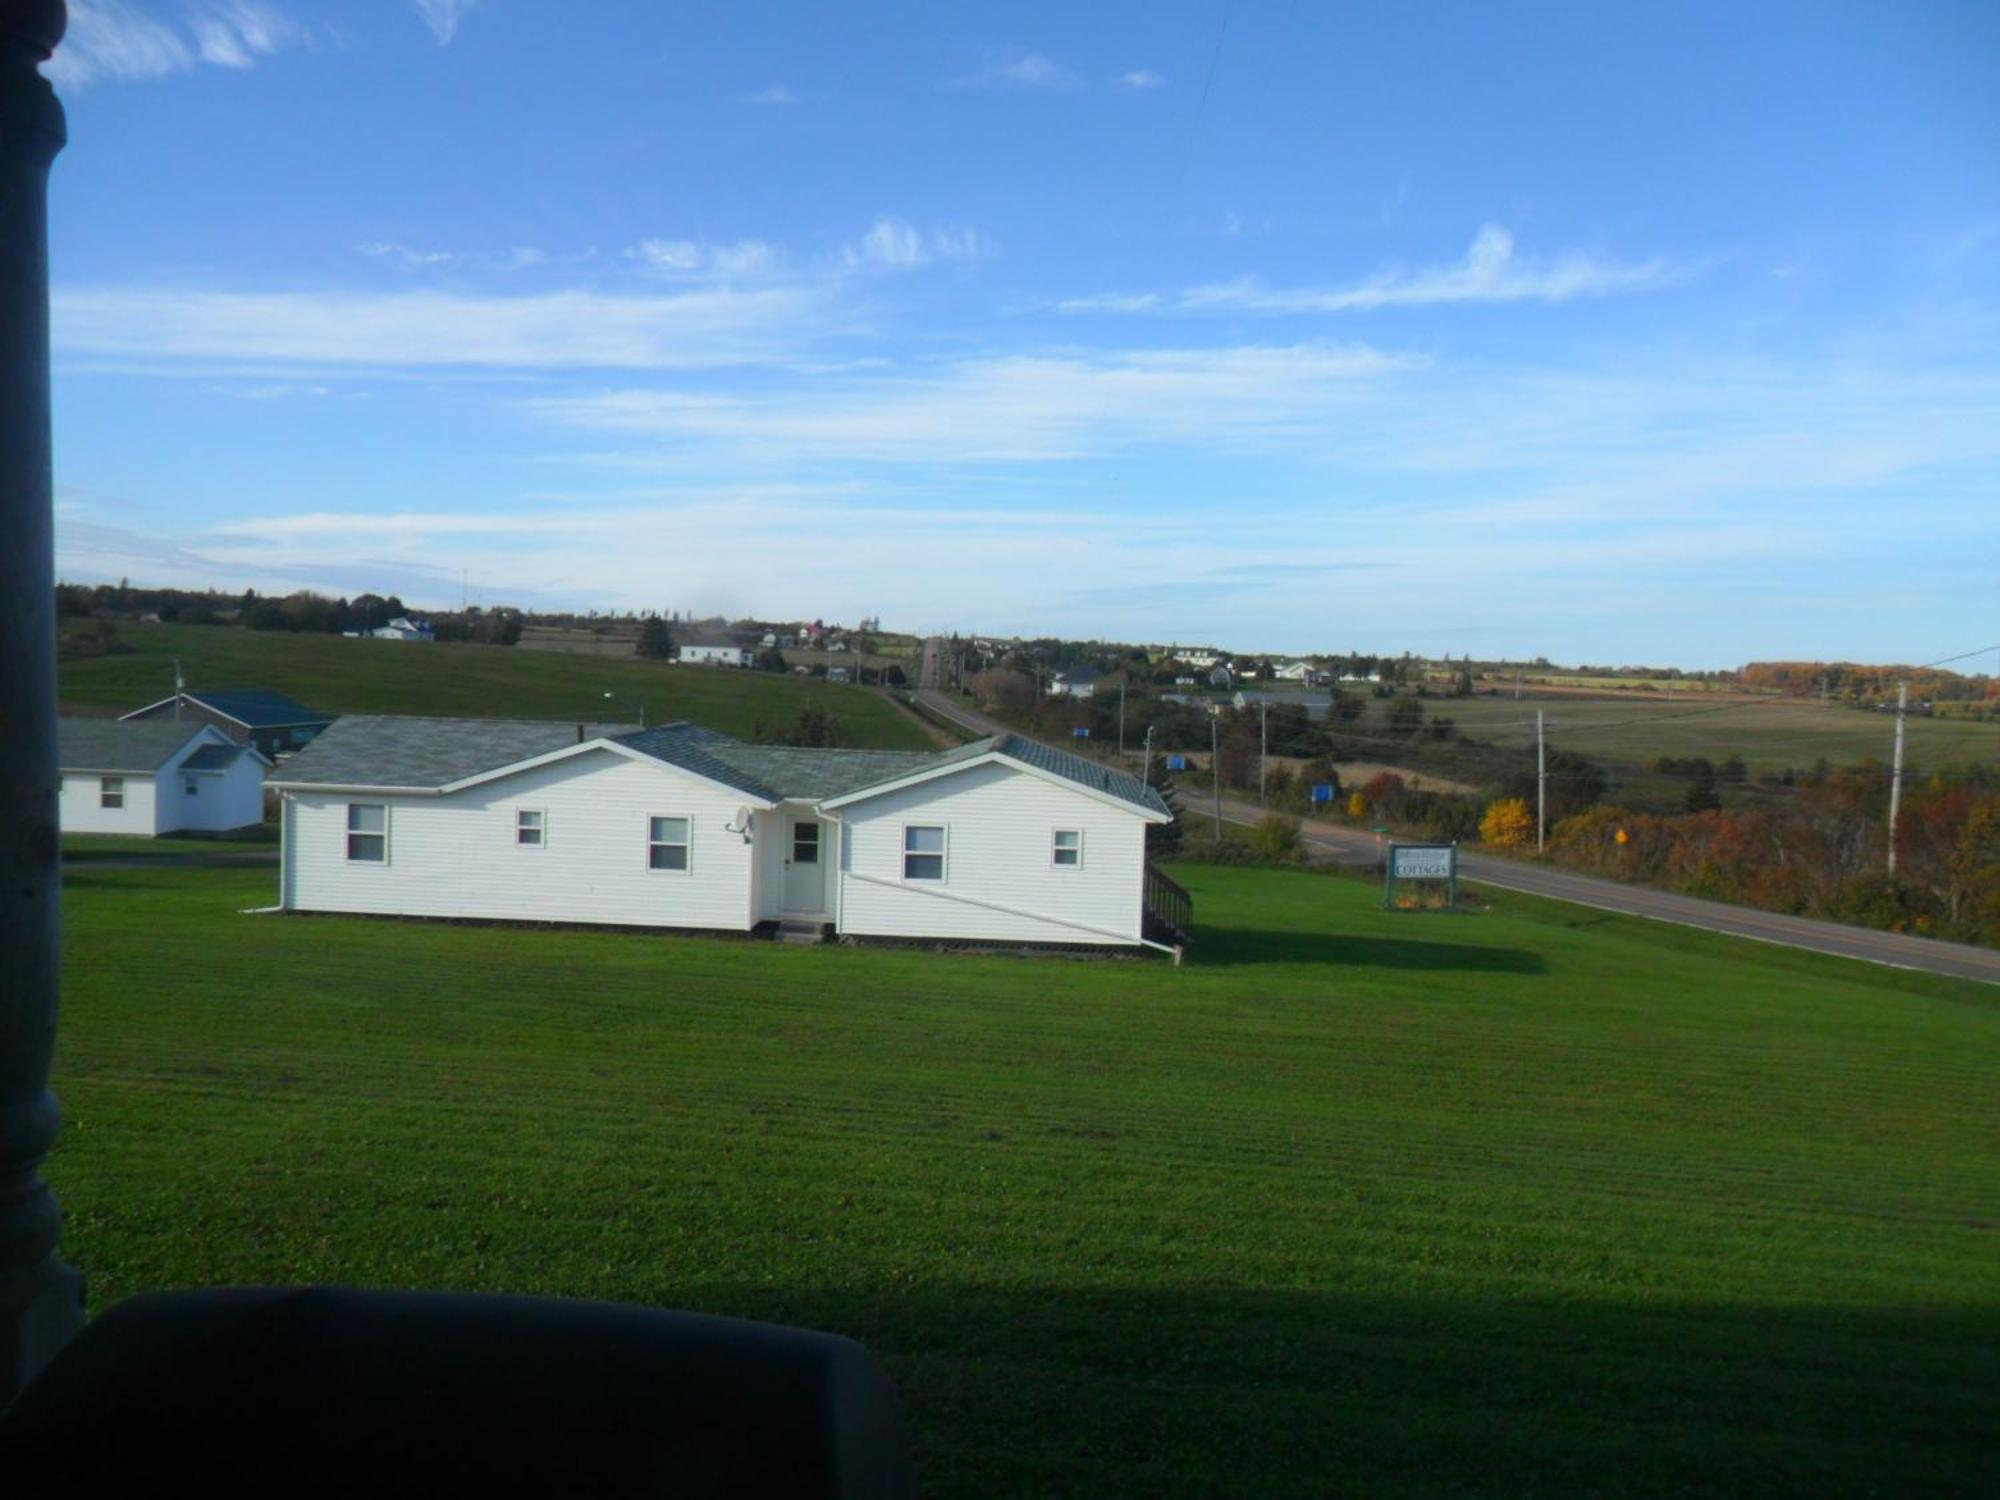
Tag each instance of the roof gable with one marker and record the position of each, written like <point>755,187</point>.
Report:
<point>139,747</point>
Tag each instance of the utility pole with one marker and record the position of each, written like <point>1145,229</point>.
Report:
<point>1215,769</point>
<point>1896,773</point>
<point>1263,746</point>
<point>1541,787</point>
<point>1121,721</point>
<point>1146,775</point>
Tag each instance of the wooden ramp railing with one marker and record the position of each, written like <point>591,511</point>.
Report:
<point>1169,908</point>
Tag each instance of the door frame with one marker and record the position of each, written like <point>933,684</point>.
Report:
<point>819,906</point>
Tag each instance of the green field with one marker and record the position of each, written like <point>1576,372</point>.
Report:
<point>1536,1201</point>
<point>111,844</point>
<point>1769,735</point>
<point>341,676</point>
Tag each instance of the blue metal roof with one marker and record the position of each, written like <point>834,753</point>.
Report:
<point>259,709</point>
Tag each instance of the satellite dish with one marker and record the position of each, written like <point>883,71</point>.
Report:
<point>745,821</point>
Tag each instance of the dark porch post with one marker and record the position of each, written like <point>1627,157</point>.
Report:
<point>41,1299</point>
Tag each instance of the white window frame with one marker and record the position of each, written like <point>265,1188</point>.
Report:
<point>686,845</point>
<point>1055,849</point>
<point>350,833</point>
<point>111,793</point>
<point>541,830</point>
<point>942,856</point>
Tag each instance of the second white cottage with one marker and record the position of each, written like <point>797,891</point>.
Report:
<point>1004,840</point>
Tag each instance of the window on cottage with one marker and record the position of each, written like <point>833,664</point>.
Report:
<point>191,786</point>
<point>111,791</point>
<point>923,852</point>
<point>667,844</point>
<point>368,832</point>
<point>1067,851</point>
<point>529,826</point>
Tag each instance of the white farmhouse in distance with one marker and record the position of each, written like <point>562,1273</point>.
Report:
<point>403,628</point>
<point>1001,841</point>
<point>714,651</point>
<point>149,777</point>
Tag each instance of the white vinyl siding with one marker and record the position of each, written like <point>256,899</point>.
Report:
<point>450,854</point>
<point>368,833</point>
<point>1001,882</point>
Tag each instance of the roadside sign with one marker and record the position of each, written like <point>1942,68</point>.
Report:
<point>1322,791</point>
<point>1176,762</point>
<point>1420,863</point>
<point>1082,731</point>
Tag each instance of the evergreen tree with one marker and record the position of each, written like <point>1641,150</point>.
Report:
<point>655,639</point>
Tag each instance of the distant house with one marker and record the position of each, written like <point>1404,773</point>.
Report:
<point>1221,677</point>
<point>271,723</point>
<point>838,674</point>
<point>1316,705</point>
<point>1203,659</point>
<point>777,641</point>
<point>1079,682</point>
<point>403,628</point>
<point>1292,671</point>
<point>714,651</point>
<point>1004,840</point>
<point>154,777</point>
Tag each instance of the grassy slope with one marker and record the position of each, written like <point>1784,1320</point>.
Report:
<point>1767,735</point>
<point>1542,1200</point>
<point>343,676</point>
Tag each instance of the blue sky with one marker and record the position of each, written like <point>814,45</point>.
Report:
<point>1575,330</point>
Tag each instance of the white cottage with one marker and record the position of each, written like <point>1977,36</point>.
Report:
<point>1004,840</point>
<point>149,777</point>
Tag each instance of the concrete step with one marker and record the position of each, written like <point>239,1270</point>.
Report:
<point>801,932</point>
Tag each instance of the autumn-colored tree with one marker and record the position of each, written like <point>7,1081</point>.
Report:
<point>1357,805</point>
<point>1507,823</point>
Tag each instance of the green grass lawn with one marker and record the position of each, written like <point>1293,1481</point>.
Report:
<point>1538,1201</point>
<point>342,676</point>
<point>87,844</point>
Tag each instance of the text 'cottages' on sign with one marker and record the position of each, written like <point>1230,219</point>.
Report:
<point>1423,861</point>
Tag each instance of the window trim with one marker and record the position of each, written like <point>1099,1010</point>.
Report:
<point>1055,849</point>
<point>941,855</point>
<point>792,827</point>
<point>189,786</point>
<point>109,787</point>
<point>541,830</point>
<point>686,845</point>
<point>350,833</point>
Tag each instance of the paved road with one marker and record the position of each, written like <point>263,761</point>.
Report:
<point>1896,949</point>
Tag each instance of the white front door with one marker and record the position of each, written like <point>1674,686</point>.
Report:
<point>805,871</point>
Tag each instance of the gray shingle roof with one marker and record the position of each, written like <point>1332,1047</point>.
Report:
<point>383,751</point>
<point>215,757</point>
<point>139,746</point>
<point>394,750</point>
<point>1087,773</point>
<point>794,771</point>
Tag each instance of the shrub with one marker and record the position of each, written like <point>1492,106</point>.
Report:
<point>1507,823</point>
<point>1276,837</point>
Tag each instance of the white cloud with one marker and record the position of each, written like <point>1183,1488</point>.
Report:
<point>113,39</point>
<point>443,16</point>
<point>1115,302</point>
<point>1142,78</point>
<point>1035,71</point>
<point>893,244</point>
<point>1037,407</point>
<point>1490,273</point>
<point>404,255</point>
<point>694,329</point>
<point>235,33</point>
<point>776,95</point>
<point>699,258</point>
